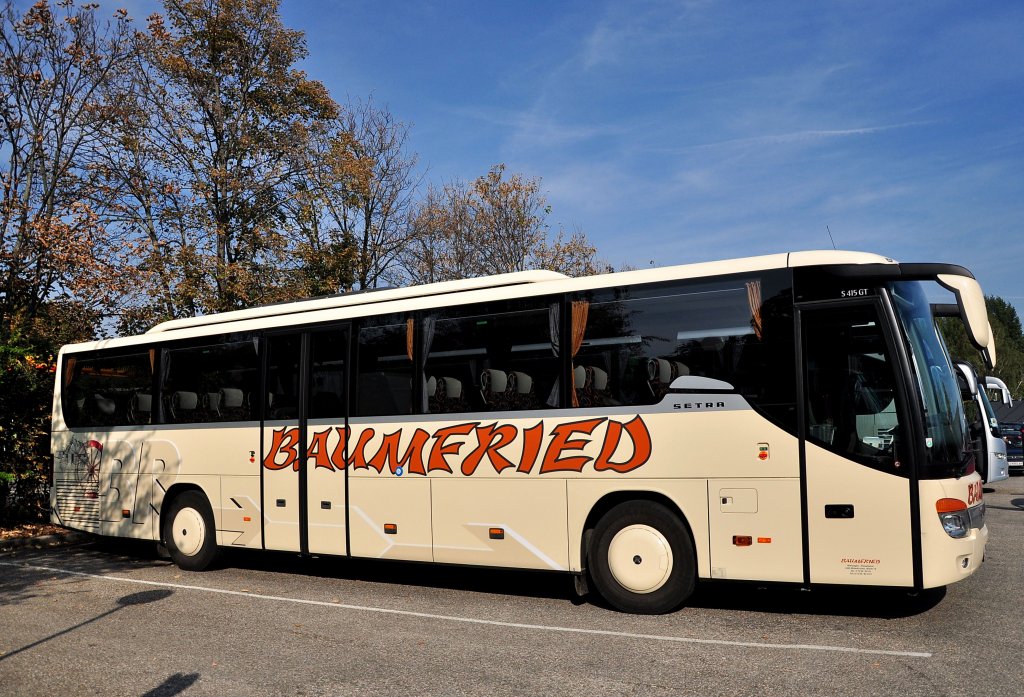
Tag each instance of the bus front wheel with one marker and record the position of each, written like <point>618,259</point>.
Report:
<point>189,533</point>
<point>642,558</point>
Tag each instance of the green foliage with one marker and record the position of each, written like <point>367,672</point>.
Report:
<point>26,393</point>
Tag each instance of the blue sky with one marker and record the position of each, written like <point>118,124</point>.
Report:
<point>675,132</point>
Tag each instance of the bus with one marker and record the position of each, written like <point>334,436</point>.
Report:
<point>790,418</point>
<point>989,447</point>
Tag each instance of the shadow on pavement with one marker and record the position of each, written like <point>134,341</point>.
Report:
<point>843,601</point>
<point>140,598</point>
<point>846,601</point>
<point>517,582</point>
<point>173,685</point>
<point>98,556</point>
<point>886,603</point>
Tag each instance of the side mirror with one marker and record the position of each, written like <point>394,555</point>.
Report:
<point>967,380</point>
<point>971,303</point>
<point>1000,391</point>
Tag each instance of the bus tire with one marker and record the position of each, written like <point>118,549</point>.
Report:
<point>642,558</point>
<point>189,532</point>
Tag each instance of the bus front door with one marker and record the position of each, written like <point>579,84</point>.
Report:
<point>857,489</point>
<point>304,444</point>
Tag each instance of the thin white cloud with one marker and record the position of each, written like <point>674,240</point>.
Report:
<point>626,29</point>
<point>801,136</point>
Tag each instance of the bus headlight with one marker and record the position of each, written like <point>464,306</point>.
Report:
<point>954,524</point>
<point>953,515</point>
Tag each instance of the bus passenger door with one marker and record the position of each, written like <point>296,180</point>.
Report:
<point>326,415</point>
<point>857,480</point>
<point>304,476</point>
<point>281,458</point>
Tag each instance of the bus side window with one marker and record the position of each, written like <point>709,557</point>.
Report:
<point>631,344</point>
<point>327,374</point>
<point>282,385</point>
<point>492,357</point>
<point>109,390</point>
<point>384,378</point>
<point>211,383</point>
<point>636,343</point>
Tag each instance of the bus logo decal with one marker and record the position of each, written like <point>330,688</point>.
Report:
<point>620,447</point>
<point>974,493</point>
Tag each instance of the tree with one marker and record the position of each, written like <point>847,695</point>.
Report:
<point>497,224</point>
<point>228,116</point>
<point>441,247</point>
<point>325,250</point>
<point>1009,337</point>
<point>1006,328</point>
<point>376,173</point>
<point>54,71</point>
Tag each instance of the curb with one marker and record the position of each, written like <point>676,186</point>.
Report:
<point>40,541</point>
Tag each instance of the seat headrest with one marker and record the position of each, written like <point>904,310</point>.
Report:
<point>231,397</point>
<point>105,406</point>
<point>579,376</point>
<point>664,371</point>
<point>184,400</point>
<point>494,380</point>
<point>431,386</point>
<point>600,378</point>
<point>143,401</point>
<point>452,387</point>
<point>524,383</point>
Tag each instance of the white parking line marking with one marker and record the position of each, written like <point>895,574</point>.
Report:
<point>475,620</point>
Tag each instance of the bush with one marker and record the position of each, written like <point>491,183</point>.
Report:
<point>6,492</point>
<point>26,468</point>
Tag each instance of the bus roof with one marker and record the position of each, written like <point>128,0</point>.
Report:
<point>551,281</point>
<point>362,298</point>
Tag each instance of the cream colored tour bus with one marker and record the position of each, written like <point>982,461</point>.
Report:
<point>787,418</point>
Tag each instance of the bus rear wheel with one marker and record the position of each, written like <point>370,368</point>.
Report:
<point>642,558</point>
<point>189,533</point>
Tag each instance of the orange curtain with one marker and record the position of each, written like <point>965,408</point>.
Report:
<point>69,370</point>
<point>580,310</point>
<point>408,338</point>
<point>754,299</point>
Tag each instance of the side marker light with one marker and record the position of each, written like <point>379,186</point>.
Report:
<point>950,506</point>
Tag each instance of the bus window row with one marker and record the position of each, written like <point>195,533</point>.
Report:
<point>623,347</point>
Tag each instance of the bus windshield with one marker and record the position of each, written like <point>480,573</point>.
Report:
<point>945,422</point>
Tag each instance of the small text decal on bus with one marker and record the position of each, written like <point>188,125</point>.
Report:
<point>623,447</point>
<point>974,493</point>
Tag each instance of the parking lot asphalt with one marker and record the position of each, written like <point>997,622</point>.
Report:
<point>111,617</point>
